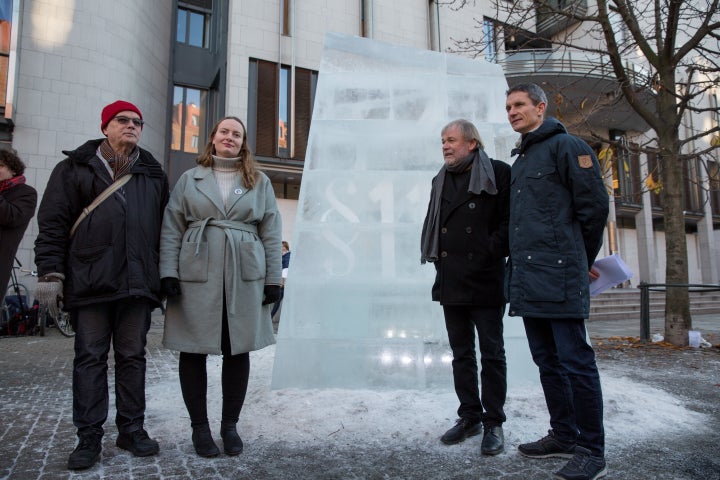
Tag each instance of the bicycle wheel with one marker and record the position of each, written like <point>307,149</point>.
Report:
<point>63,324</point>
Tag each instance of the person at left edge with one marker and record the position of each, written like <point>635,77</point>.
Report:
<point>17,206</point>
<point>465,235</point>
<point>107,274</point>
<point>220,265</point>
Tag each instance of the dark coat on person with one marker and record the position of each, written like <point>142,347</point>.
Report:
<point>558,209</point>
<point>473,241</point>
<point>114,252</point>
<point>17,207</point>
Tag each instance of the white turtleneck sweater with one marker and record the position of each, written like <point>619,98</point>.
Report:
<point>226,175</point>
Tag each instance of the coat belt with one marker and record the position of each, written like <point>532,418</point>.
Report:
<point>227,226</point>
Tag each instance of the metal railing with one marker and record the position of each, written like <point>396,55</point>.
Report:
<point>569,62</point>
<point>646,288</point>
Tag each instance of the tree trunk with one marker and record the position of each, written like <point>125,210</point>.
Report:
<point>677,300</point>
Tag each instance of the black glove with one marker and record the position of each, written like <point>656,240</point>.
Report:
<point>170,287</point>
<point>272,294</point>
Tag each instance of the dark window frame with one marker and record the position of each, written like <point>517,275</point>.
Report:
<point>264,109</point>
<point>185,118</point>
<point>187,9</point>
<point>627,183</point>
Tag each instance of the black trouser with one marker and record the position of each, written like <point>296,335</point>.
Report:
<point>461,323</point>
<point>570,380</point>
<point>193,381</point>
<point>125,323</point>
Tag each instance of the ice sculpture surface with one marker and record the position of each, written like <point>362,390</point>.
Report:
<point>357,311</point>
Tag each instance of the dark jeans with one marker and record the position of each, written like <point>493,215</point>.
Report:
<point>235,375</point>
<point>461,323</point>
<point>125,323</point>
<point>570,380</point>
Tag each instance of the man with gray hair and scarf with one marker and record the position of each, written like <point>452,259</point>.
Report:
<point>465,234</point>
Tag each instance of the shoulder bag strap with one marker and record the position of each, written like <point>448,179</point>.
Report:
<point>100,198</point>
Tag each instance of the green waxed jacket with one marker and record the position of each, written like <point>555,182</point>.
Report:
<point>558,208</point>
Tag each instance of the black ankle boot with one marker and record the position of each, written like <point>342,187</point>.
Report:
<point>203,441</point>
<point>232,443</point>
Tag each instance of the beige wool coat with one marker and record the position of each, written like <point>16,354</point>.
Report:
<point>213,249</point>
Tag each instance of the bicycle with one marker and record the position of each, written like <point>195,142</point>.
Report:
<point>20,291</point>
<point>17,309</point>
<point>61,320</point>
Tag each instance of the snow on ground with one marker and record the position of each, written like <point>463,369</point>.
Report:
<point>633,411</point>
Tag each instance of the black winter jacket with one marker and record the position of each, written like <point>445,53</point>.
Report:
<point>473,242</point>
<point>558,209</point>
<point>114,251</point>
<point>17,207</point>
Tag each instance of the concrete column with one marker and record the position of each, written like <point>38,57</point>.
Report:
<point>645,234</point>
<point>708,247</point>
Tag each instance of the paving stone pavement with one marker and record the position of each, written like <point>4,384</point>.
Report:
<point>36,431</point>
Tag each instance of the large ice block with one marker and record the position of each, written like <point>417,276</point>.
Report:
<point>357,311</point>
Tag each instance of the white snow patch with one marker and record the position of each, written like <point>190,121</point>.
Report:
<point>633,411</point>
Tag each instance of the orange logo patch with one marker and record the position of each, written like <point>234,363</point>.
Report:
<point>585,161</point>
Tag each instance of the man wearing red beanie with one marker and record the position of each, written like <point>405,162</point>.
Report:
<point>101,260</point>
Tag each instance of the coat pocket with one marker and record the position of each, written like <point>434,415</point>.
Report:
<point>193,262</point>
<point>93,271</point>
<point>544,277</point>
<point>252,261</point>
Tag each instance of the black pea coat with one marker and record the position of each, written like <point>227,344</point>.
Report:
<point>473,242</point>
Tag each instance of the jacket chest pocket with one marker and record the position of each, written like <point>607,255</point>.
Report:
<point>541,174</point>
<point>544,277</point>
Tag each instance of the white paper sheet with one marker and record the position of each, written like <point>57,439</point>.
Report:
<point>612,271</point>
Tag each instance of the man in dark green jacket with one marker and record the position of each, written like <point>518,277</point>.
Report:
<point>558,209</point>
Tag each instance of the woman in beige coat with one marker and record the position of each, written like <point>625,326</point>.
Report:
<point>220,269</point>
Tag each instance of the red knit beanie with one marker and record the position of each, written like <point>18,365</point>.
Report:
<point>109,112</point>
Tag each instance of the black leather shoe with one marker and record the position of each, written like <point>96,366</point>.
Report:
<point>87,452</point>
<point>203,442</point>
<point>138,443</point>
<point>463,429</point>
<point>232,443</point>
<point>493,441</point>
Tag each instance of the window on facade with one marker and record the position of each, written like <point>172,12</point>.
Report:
<point>693,193</point>
<point>654,182</point>
<point>277,128</point>
<point>490,42</point>
<point>188,119</point>
<point>693,197</point>
<point>285,27</point>
<point>548,8</point>
<point>714,112</point>
<point>193,23</point>
<point>627,187</point>
<point>284,113</point>
<point>714,184</point>
<point>5,30</point>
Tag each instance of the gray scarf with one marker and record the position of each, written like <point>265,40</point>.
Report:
<point>482,178</point>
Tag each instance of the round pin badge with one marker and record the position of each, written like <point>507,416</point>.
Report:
<point>238,191</point>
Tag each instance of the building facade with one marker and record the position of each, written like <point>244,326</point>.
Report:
<point>187,63</point>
